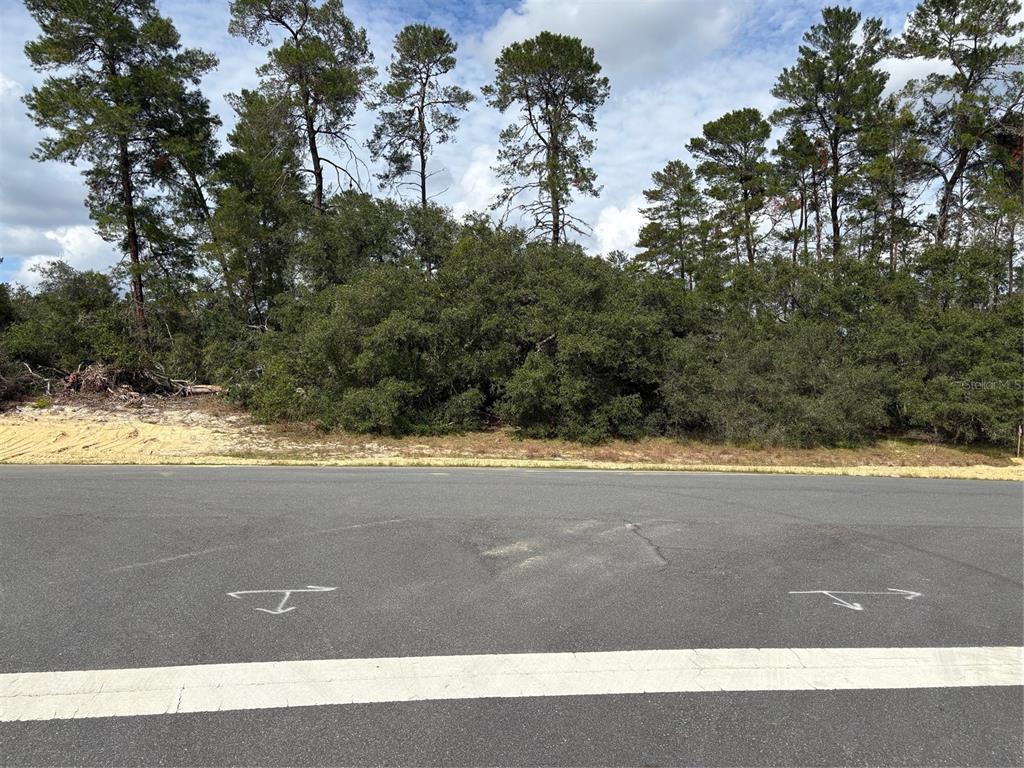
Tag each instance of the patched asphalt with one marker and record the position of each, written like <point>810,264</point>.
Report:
<point>113,567</point>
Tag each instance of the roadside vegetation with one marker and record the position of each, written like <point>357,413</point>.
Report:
<point>97,429</point>
<point>860,278</point>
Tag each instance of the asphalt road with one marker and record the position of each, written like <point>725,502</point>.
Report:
<point>127,567</point>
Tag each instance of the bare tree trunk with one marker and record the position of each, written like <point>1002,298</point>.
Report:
<point>818,230</point>
<point>748,236</point>
<point>960,198</point>
<point>799,235</point>
<point>556,215</point>
<point>314,156</point>
<point>422,145</point>
<point>946,199</point>
<point>892,234</point>
<point>805,226</point>
<point>253,294</point>
<point>128,203</point>
<point>833,203</point>
<point>556,204</point>
<point>197,187</point>
<point>1013,248</point>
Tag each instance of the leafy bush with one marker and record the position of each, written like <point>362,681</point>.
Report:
<point>386,408</point>
<point>277,397</point>
<point>556,343</point>
<point>461,413</point>
<point>74,318</point>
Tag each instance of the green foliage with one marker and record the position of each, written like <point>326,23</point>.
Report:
<point>811,294</point>
<point>979,93</point>
<point>74,318</point>
<point>832,93</point>
<point>679,238</point>
<point>385,408</point>
<point>357,230</point>
<point>278,396</point>
<point>127,106</point>
<point>460,413</point>
<point>959,380</point>
<point>416,110</point>
<point>7,315</point>
<point>795,383</point>
<point>732,154</point>
<point>255,227</point>
<point>556,83</point>
<point>317,75</point>
<point>594,345</point>
<point>549,339</point>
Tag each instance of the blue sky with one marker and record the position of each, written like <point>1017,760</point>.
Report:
<point>673,65</point>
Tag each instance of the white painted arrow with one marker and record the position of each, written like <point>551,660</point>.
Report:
<point>286,592</point>
<point>907,595</point>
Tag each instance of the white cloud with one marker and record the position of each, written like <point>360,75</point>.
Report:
<point>8,87</point>
<point>79,246</point>
<point>902,71</point>
<point>477,186</point>
<point>673,65</point>
<point>617,228</point>
<point>640,38</point>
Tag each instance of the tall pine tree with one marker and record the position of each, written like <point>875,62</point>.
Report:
<point>122,98</point>
<point>319,74</point>
<point>978,96</point>
<point>417,110</point>
<point>557,86</point>
<point>832,92</point>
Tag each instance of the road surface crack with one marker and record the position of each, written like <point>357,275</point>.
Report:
<point>635,529</point>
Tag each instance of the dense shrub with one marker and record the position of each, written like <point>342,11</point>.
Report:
<point>560,344</point>
<point>859,275</point>
<point>74,318</point>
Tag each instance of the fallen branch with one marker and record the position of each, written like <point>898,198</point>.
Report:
<point>204,389</point>
<point>38,377</point>
<point>134,384</point>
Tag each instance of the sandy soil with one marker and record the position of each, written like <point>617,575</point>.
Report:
<point>209,431</point>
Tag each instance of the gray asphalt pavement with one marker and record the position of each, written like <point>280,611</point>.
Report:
<point>117,567</point>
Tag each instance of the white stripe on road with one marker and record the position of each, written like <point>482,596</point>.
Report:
<point>260,685</point>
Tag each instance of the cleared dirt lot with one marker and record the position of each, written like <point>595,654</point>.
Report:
<point>209,431</point>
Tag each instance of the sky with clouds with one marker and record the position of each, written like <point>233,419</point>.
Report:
<point>673,65</point>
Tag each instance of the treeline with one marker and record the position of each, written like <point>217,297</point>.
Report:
<point>859,277</point>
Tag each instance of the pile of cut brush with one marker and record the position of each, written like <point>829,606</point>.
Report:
<point>129,385</point>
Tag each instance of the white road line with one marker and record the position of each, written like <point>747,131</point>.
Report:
<point>260,685</point>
